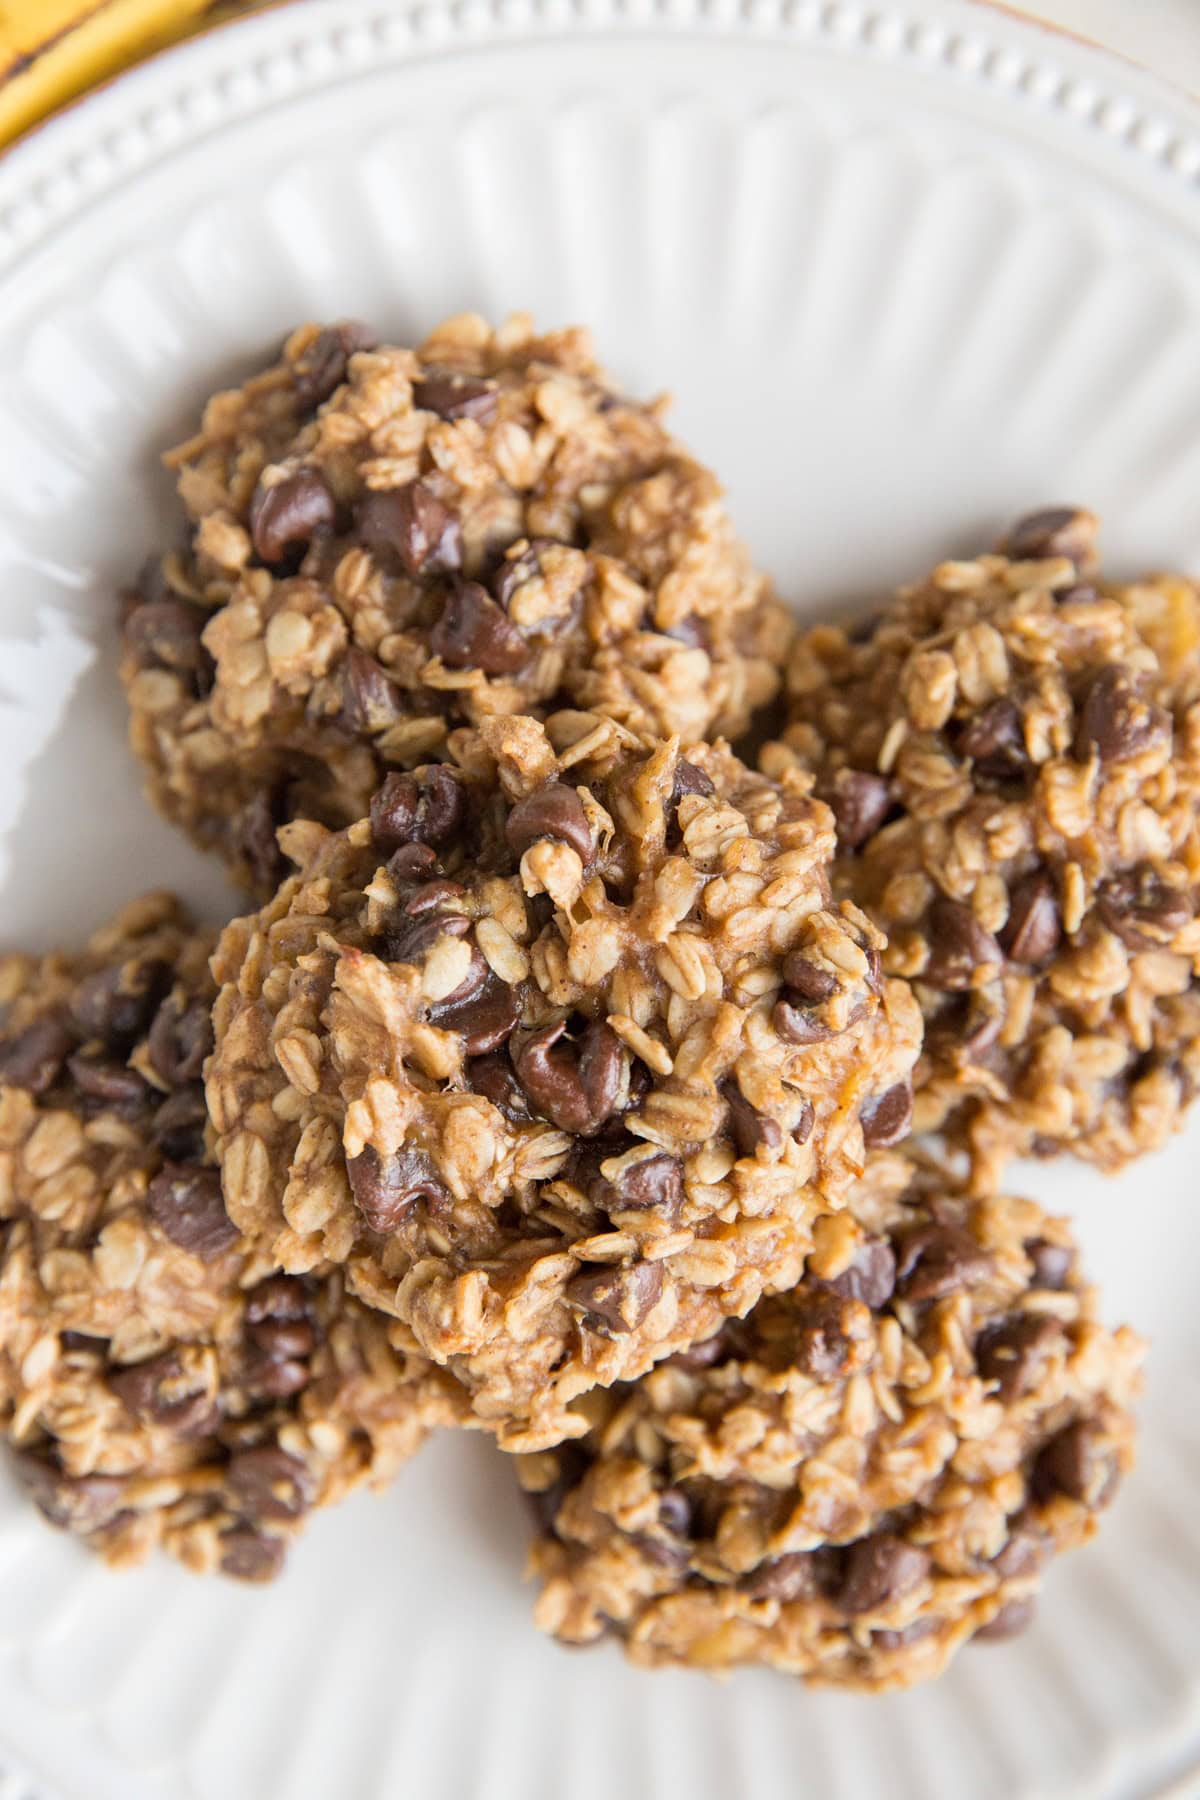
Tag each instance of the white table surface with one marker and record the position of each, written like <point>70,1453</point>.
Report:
<point>1163,35</point>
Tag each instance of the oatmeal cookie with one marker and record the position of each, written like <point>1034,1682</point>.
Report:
<point>560,1052</point>
<point>160,1384</point>
<point>864,1474</point>
<point>1012,749</point>
<point>384,543</point>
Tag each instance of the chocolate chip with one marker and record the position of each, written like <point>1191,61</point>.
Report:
<point>1116,722</point>
<point>749,1126</point>
<point>653,1183</point>
<point>178,1128</point>
<point>1023,1554</point>
<point>571,1465</point>
<point>486,1017</point>
<point>453,396</point>
<point>493,1077</point>
<point>112,1085</point>
<point>427,807</point>
<point>33,1058</point>
<point>1051,1263</point>
<point>675,1512</point>
<point>252,836</point>
<point>574,1085</point>
<point>1013,1352</point>
<point>387,1188</point>
<point>158,1393</point>
<point>554,811</point>
<point>180,1040</point>
<point>870,1276</point>
<point>887,1118</point>
<point>1078,1462</point>
<point>411,527</point>
<point>691,631</point>
<point>794,1576</point>
<point>689,780</point>
<point>959,946</point>
<point>321,366</point>
<point>1055,531</point>
<point>1013,1618</point>
<point>410,940</point>
<point>1034,928</point>
<point>283,1339</point>
<point>860,802</point>
<point>251,1555</point>
<point>474,633</point>
<point>279,1297</point>
<point>614,1301</point>
<point>275,1377</point>
<point>807,980</point>
<point>1143,910</point>
<point>270,1484</point>
<point>823,1347</point>
<point>878,1570</point>
<point>796,1023</point>
<point>413,863</point>
<point>371,701</point>
<point>117,1004</point>
<point>911,1634</point>
<point>995,742</point>
<point>936,1260</point>
<point>166,634</point>
<point>186,1202</point>
<point>291,514</point>
<point>725,1345</point>
<point>83,1342</point>
<point>79,1503</point>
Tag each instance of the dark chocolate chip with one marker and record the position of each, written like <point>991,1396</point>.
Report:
<point>278,1298</point>
<point>823,1347</point>
<point>495,1079</point>
<point>935,1260</point>
<point>807,980</point>
<point>1012,1619</point>
<point>410,940</point>
<point>553,811</point>
<point>652,1184</point>
<point>1051,1263</point>
<point>1078,1462</point>
<point>386,1188</point>
<point>251,1555</point>
<point>571,1465</point>
<point>427,807</point>
<point>274,1377</point>
<point>474,633</point>
<point>79,1503</point>
<point>796,1575</point>
<point>111,1084</point>
<point>878,1570</point>
<point>413,863</point>
<point>1023,1554</point>
<point>887,1118</point>
<point>797,1023</point>
<point>486,1017</point>
<point>321,367</point>
<point>870,1276</point>
<point>166,634</point>
<point>84,1342</point>
<point>1116,721</point>
<point>574,1084</point>
<point>157,1393</point>
<point>180,1040</point>
<point>959,946</point>
<point>1055,531</point>
<point>33,1058</point>
<point>253,838</point>
<point>1034,928</point>
<point>995,742</point>
<point>117,1004</point>
<point>453,396</point>
<point>283,1339</point>
<point>675,1512</point>
<point>860,803</point>
<point>186,1202</point>
<point>371,701</point>
<point>725,1345</point>
<point>411,527</point>
<point>289,515</point>
<point>522,563</point>
<point>911,1634</point>
<point>1012,1353</point>
<point>750,1127</point>
<point>178,1128</point>
<point>613,1301</point>
<point>1143,910</point>
<point>270,1484</point>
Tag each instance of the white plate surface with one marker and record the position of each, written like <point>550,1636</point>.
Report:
<point>908,271</point>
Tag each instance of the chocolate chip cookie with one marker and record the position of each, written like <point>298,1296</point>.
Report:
<point>1012,749</point>
<point>867,1472</point>
<point>160,1383</point>
<point>384,543</point>
<point>561,1052</point>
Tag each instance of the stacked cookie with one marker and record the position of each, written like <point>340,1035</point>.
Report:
<point>577,1080</point>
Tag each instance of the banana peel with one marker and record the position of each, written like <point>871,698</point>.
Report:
<point>53,50</point>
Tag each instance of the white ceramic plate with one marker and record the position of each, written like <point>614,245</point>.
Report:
<point>908,271</point>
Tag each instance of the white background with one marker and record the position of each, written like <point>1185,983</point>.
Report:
<point>1164,35</point>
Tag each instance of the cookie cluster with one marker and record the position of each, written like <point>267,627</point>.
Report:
<point>576,1079</point>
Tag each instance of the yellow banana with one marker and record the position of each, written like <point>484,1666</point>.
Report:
<point>51,50</point>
